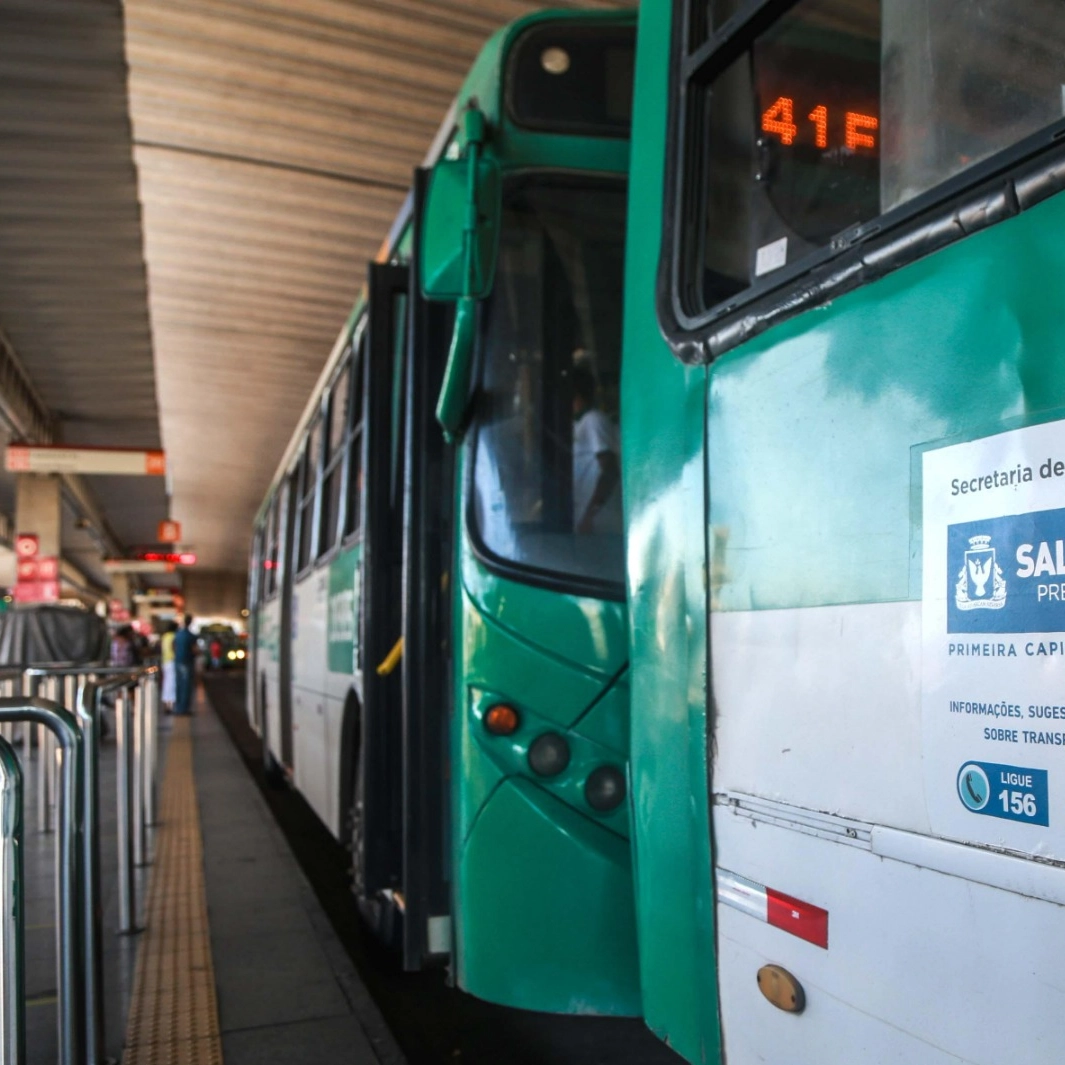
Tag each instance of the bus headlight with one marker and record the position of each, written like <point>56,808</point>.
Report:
<point>501,720</point>
<point>605,788</point>
<point>549,755</point>
<point>240,653</point>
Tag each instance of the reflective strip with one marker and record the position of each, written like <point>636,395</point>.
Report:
<point>742,894</point>
<point>792,915</point>
<point>799,918</point>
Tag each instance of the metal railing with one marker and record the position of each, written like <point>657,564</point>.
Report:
<point>68,792</point>
<point>12,926</point>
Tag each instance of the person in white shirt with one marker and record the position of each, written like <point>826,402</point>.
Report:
<point>596,461</point>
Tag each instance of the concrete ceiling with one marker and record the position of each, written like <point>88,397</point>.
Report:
<point>189,195</point>
<point>73,286</point>
<point>275,143</point>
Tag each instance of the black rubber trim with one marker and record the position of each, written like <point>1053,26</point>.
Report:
<point>990,192</point>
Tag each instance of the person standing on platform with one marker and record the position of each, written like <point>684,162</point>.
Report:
<point>122,653</point>
<point>184,666</point>
<point>166,653</point>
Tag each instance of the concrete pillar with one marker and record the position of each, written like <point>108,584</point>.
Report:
<point>122,589</point>
<point>39,510</point>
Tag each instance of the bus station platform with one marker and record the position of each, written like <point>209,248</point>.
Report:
<point>234,959</point>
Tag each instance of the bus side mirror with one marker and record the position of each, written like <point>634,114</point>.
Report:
<point>459,244</point>
<point>455,388</point>
<point>460,229</point>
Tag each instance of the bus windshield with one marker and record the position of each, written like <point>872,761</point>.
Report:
<point>546,473</point>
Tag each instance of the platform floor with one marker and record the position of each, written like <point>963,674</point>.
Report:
<point>285,990</point>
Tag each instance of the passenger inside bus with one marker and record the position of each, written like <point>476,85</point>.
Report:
<point>596,460</point>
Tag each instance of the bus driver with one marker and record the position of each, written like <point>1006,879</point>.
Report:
<point>596,461</point>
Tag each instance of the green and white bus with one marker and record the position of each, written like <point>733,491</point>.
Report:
<point>798,732</point>
<point>843,449</point>
<point>439,650</point>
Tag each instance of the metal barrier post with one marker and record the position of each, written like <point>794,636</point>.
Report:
<point>31,687</point>
<point>53,691</point>
<point>12,916</point>
<point>138,775</point>
<point>87,702</point>
<point>68,937</point>
<point>151,760</point>
<point>126,916</point>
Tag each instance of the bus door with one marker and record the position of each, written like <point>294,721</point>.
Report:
<point>427,540</point>
<point>405,614</point>
<point>255,601</point>
<point>378,866</point>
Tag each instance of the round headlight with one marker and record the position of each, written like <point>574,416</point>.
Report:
<point>605,788</point>
<point>549,754</point>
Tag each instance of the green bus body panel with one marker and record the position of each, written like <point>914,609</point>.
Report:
<point>814,435</point>
<point>662,444</point>
<point>589,635</point>
<point>559,899</point>
<point>342,620</point>
<point>959,344</point>
<point>530,859</point>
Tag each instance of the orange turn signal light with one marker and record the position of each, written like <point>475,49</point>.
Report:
<point>501,720</point>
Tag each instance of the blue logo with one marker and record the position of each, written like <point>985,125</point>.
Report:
<point>1010,792</point>
<point>974,787</point>
<point>1007,574</point>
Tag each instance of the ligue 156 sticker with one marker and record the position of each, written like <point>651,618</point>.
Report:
<point>1007,791</point>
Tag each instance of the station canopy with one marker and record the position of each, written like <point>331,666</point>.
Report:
<point>190,195</point>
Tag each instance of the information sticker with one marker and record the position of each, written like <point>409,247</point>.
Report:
<point>993,630</point>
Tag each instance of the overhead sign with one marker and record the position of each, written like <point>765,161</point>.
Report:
<point>37,592</point>
<point>37,576</point>
<point>993,621</point>
<point>169,531</point>
<point>138,565</point>
<point>49,458</point>
<point>26,545</point>
<point>180,558</point>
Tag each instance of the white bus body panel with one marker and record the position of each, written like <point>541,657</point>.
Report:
<point>268,668</point>
<point>938,951</point>
<point>318,699</point>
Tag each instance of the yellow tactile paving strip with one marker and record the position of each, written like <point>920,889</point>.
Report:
<point>173,1014</point>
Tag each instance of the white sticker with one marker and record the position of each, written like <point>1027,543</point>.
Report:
<point>771,257</point>
<point>993,627</point>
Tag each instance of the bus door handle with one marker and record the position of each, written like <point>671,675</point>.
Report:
<point>391,660</point>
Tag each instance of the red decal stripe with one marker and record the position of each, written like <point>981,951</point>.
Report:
<point>799,918</point>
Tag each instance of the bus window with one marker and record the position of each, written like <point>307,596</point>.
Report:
<point>332,480</point>
<point>270,559</point>
<point>353,514</point>
<point>256,569</point>
<point>989,74</point>
<point>546,487</point>
<point>308,484</point>
<point>839,111</point>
